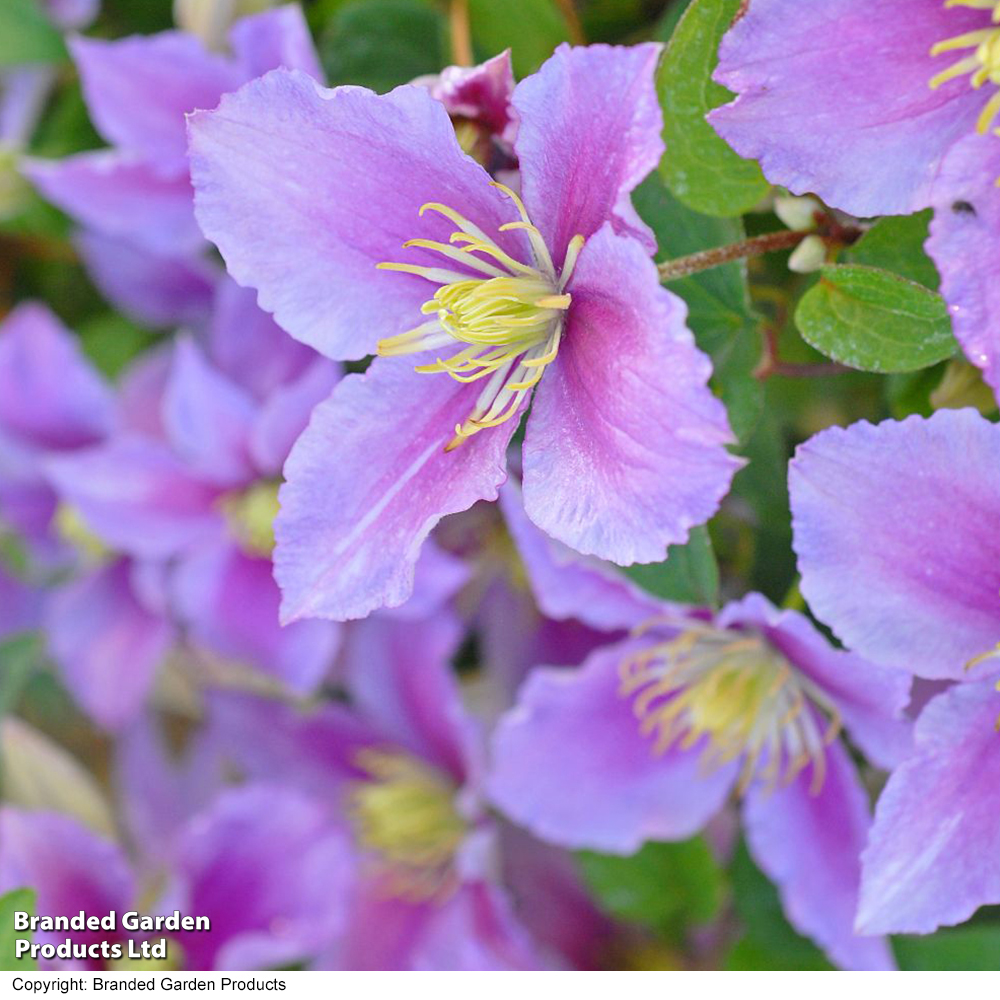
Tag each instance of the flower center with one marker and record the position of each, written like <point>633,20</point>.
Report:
<point>70,526</point>
<point>503,318</point>
<point>735,690</point>
<point>250,515</point>
<point>405,813</point>
<point>982,64</point>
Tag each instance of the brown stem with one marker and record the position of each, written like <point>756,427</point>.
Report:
<point>771,363</point>
<point>681,267</point>
<point>461,39</point>
<point>576,35</point>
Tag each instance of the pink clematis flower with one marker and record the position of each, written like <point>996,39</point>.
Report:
<point>365,228</point>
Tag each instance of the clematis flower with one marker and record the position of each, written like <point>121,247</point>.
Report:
<point>189,485</point>
<point>134,200</point>
<point>275,901</point>
<point>365,228</point>
<point>650,736</point>
<point>402,764</point>
<point>893,533</point>
<point>894,112</point>
<point>478,98</point>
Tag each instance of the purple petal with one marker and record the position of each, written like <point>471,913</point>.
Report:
<point>438,577</point>
<point>138,496</point>
<point>68,866</point>
<point>229,602</point>
<point>367,482</point>
<point>24,91</point>
<point>275,38</point>
<point>314,750</point>
<point>475,930</point>
<point>932,853</point>
<point>20,606</point>
<point>624,452</point>
<point>139,89</point>
<point>270,871</point>
<point>869,699</point>
<point>120,196</point>
<point>141,389</point>
<point>568,585</point>
<point>50,396</point>
<point>400,678</point>
<point>305,190</point>
<point>887,524</point>
<point>551,900</point>
<point>589,132</point>
<point>159,789</point>
<point>874,135</point>
<point>246,344</point>
<point>571,765</point>
<point>810,846</point>
<point>151,289</point>
<point>285,414</point>
<point>208,419</point>
<point>479,93</point>
<point>964,233</point>
<point>106,643</point>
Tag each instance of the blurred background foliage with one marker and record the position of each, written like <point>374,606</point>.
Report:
<point>764,325</point>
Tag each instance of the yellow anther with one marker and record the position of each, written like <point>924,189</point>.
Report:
<point>737,695</point>
<point>981,65</point>
<point>250,516</point>
<point>404,813</point>
<point>502,317</point>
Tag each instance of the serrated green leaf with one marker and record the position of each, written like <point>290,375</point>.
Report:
<point>875,321</point>
<point>896,243</point>
<point>959,949</point>
<point>382,44</point>
<point>698,166</point>
<point>689,575</point>
<point>531,29</point>
<point>27,35</point>
<point>19,900</point>
<point>719,310</point>
<point>659,886</point>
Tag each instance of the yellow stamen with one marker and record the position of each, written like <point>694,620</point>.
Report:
<point>737,695</point>
<point>250,516</point>
<point>404,813</point>
<point>72,529</point>
<point>982,65</point>
<point>505,316</point>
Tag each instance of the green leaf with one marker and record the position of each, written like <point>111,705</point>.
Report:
<point>689,575</point>
<point>111,342</point>
<point>531,29</point>
<point>19,900</point>
<point>768,942</point>
<point>382,43</point>
<point>27,35</point>
<point>19,655</point>
<point>967,949</point>
<point>874,320</point>
<point>719,310</point>
<point>698,166</point>
<point>660,886</point>
<point>896,243</point>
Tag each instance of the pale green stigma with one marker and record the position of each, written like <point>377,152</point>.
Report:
<point>404,813</point>
<point>250,515</point>
<point>506,321</point>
